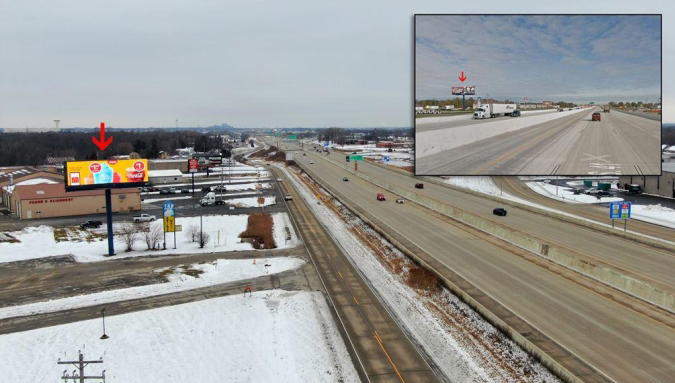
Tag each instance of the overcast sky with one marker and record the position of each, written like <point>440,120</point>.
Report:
<point>559,58</point>
<point>247,63</point>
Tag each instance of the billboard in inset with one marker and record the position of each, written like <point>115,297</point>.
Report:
<point>457,90</point>
<point>105,174</point>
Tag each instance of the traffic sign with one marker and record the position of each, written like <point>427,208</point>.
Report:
<point>356,158</point>
<point>169,209</point>
<point>386,158</point>
<point>619,210</point>
<point>292,137</point>
<point>179,227</point>
<point>169,224</point>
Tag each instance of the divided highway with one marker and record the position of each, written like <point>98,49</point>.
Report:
<point>571,145</point>
<point>620,343</point>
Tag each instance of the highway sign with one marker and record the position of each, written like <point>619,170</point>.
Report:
<point>325,143</point>
<point>355,158</point>
<point>386,158</point>
<point>591,103</point>
<point>179,227</point>
<point>292,137</point>
<point>619,210</point>
<point>169,209</point>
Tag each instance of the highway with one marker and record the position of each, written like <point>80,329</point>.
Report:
<point>425,126</point>
<point>617,341</point>
<point>571,145</point>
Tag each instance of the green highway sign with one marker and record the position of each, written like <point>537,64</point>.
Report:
<point>591,103</point>
<point>355,158</point>
<point>292,137</point>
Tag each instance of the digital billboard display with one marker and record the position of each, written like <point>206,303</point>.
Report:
<point>457,90</point>
<point>105,174</point>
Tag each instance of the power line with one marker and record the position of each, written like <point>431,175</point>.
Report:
<point>80,364</point>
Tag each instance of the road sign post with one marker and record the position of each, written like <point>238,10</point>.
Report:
<point>620,210</point>
<point>169,220</point>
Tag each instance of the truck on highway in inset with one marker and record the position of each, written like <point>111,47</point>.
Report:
<point>494,110</point>
<point>210,199</point>
<point>143,218</point>
<point>605,108</point>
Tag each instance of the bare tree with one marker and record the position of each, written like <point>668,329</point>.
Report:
<point>128,234</point>
<point>192,233</point>
<point>203,239</point>
<point>151,235</point>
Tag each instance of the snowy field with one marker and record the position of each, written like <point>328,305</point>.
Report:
<point>656,214</point>
<point>272,336</point>
<point>566,194</point>
<point>212,273</point>
<point>461,357</point>
<point>224,230</point>
<point>251,202</point>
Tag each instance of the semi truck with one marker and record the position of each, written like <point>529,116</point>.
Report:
<point>494,110</point>
<point>605,108</point>
<point>210,199</point>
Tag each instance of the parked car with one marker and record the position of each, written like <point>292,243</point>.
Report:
<point>144,218</point>
<point>145,190</point>
<point>345,179</point>
<point>90,224</point>
<point>288,197</point>
<point>185,190</point>
<point>172,190</point>
<point>206,189</point>
<point>419,185</point>
<point>164,191</point>
<point>153,188</point>
<point>577,191</point>
<point>499,211</point>
<point>381,197</point>
<point>219,188</point>
<point>591,191</point>
<point>603,193</point>
<point>399,200</point>
<point>595,116</point>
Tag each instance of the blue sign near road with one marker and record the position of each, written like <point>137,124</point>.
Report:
<point>169,209</point>
<point>619,210</point>
<point>386,158</point>
<point>325,143</point>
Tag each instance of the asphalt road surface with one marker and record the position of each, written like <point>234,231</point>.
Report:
<point>573,145</point>
<point>618,341</point>
<point>429,126</point>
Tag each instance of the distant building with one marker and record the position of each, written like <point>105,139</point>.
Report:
<point>180,164</point>
<point>13,175</point>
<point>663,185</point>
<point>52,200</point>
<point>159,177</point>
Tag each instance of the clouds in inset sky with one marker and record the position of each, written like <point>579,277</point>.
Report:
<point>559,58</point>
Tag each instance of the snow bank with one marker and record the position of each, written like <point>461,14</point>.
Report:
<point>272,336</point>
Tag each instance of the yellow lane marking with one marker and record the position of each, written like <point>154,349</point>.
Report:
<point>379,340</point>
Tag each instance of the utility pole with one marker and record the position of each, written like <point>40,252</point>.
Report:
<point>80,365</point>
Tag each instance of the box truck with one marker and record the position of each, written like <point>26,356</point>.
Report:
<point>494,110</point>
<point>606,108</point>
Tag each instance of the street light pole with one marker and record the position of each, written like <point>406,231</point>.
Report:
<point>104,336</point>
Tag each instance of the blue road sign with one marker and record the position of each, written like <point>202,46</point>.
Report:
<point>619,210</point>
<point>169,209</point>
<point>386,158</point>
<point>325,143</point>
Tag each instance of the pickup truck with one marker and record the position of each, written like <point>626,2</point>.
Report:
<point>144,218</point>
<point>90,224</point>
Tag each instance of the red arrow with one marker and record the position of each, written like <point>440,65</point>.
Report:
<point>462,78</point>
<point>102,143</point>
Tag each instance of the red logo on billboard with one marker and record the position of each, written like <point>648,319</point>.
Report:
<point>95,167</point>
<point>112,161</point>
<point>139,166</point>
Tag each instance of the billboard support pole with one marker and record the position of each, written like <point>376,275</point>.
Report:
<point>193,185</point>
<point>108,213</point>
<point>462,101</point>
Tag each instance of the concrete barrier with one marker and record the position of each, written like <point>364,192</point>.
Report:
<point>566,374</point>
<point>439,140</point>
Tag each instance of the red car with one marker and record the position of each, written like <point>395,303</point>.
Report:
<point>380,197</point>
<point>595,116</point>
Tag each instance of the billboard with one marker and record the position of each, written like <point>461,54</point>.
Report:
<point>470,89</point>
<point>193,165</point>
<point>458,90</point>
<point>105,174</point>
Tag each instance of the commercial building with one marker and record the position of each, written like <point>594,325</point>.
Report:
<point>169,176</point>
<point>52,200</point>
<point>12,175</point>
<point>663,185</point>
<point>168,164</point>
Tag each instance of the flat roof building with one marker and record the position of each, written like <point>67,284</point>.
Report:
<point>158,177</point>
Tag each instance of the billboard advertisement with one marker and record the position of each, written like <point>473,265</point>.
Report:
<point>457,90</point>
<point>105,174</point>
<point>193,165</point>
<point>470,90</point>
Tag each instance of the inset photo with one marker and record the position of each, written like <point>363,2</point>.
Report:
<point>537,95</point>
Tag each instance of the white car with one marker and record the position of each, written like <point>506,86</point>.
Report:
<point>278,179</point>
<point>399,200</point>
<point>311,162</point>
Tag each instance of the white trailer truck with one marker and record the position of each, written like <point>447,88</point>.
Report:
<point>494,110</point>
<point>210,199</point>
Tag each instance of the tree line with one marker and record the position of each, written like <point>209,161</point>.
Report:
<point>32,149</point>
<point>342,136</point>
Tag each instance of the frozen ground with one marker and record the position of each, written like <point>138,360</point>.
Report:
<point>566,194</point>
<point>460,356</point>
<point>224,230</point>
<point>213,273</point>
<point>251,202</point>
<point>649,213</point>
<point>272,336</point>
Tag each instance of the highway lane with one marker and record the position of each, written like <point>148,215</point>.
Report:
<point>641,261</point>
<point>424,126</point>
<point>618,341</point>
<point>571,145</point>
<point>649,115</point>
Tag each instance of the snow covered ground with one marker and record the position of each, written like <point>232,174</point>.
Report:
<point>566,194</point>
<point>224,230</point>
<point>251,202</point>
<point>272,336</point>
<point>213,273</point>
<point>460,356</point>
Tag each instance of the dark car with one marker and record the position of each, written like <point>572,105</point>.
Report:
<point>164,191</point>
<point>595,116</point>
<point>185,190</point>
<point>516,113</point>
<point>91,224</point>
<point>419,185</point>
<point>603,193</point>
<point>499,211</point>
<point>206,189</point>
<point>577,191</point>
<point>345,179</point>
